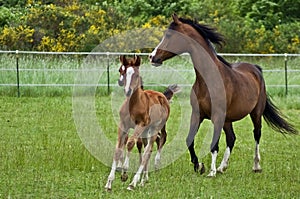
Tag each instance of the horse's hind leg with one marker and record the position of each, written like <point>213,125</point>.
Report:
<point>256,119</point>
<point>230,139</point>
<point>139,145</point>
<point>160,143</point>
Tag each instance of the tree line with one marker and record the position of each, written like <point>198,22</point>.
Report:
<point>249,26</point>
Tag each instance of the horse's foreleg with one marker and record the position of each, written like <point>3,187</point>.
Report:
<point>130,144</point>
<point>230,139</point>
<point>215,148</point>
<point>194,126</point>
<point>122,137</point>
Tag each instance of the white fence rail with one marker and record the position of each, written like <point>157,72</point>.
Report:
<point>16,68</point>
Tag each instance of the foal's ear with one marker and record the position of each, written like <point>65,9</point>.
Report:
<point>123,60</point>
<point>137,60</point>
<point>175,18</point>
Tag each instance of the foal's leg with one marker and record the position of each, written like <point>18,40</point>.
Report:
<point>145,176</point>
<point>230,139</point>
<point>161,141</point>
<point>256,119</point>
<point>122,136</point>
<point>145,159</point>
<point>139,145</point>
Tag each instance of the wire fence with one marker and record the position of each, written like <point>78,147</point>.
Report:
<point>32,69</point>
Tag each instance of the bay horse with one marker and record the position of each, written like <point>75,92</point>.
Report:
<point>222,92</point>
<point>144,110</point>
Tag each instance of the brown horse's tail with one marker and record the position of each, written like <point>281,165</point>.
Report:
<point>171,90</point>
<point>275,119</point>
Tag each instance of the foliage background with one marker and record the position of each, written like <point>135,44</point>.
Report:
<point>249,26</point>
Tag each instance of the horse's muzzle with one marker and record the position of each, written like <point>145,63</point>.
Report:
<point>128,93</point>
<point>121,83</point>
<point>155,61</point>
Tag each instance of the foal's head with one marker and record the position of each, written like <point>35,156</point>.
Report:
<point>130,74</point>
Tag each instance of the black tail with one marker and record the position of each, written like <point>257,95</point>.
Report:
<point>275,119</point>
<point>171,90</point>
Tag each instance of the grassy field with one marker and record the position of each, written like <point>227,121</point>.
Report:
<point>42,156</point>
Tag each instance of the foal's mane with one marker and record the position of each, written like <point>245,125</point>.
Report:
<point>209,34</point>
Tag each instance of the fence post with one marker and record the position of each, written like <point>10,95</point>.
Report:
<point>107,69</point>
<point>285,73</point>
<point>18,78</point>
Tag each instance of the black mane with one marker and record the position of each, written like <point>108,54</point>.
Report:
<point>208,33</point>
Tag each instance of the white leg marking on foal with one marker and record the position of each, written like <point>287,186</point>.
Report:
<point>213,169</point>
<point>111,176</point>
<point>126,163</point>
<point>157,160</point>
<point>256,166</point>
<point>224,164</point>
<point>136,178</point>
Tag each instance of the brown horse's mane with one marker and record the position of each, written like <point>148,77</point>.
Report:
<point>208,33</point>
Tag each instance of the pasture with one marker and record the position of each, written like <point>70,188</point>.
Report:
<point>42,154</point>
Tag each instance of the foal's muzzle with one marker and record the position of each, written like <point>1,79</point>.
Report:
<point>128,93</point>
<point>121,82</point>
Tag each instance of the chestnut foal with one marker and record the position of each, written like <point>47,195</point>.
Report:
<point>147,112</point>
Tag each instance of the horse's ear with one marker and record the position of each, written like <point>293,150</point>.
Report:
<point>175,18</point>
<point>123,60</point>
<point>137,60</point>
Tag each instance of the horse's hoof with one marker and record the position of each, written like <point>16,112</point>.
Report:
<point>212,174</point>
<point>257,170</point>
<point>221,170</point>
<point>199,167</point>
<point>124,177</point>
<point>119,169</point>
<point>130,188</point>
<point>107,189</point>
<point>202,168</point>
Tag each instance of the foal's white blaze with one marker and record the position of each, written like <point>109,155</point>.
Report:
<point>256,166</point>
<point>129,73</point>
<point>123,67</point>
<point>121,78</point>
<point>224,163</point>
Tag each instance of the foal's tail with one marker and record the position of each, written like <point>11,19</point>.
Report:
<point>171,90</point>
<point>275,119</point>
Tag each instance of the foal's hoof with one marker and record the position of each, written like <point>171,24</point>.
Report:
<point>108,189</point>
<point>119,169</point>
<point>257,170</point>
<point>130,188</point>
<point>202,168</point>
<point>124,177</point>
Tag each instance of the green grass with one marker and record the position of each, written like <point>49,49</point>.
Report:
<point>42,156</point>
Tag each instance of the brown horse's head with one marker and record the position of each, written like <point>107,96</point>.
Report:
<point>181,36</point>
<point>129,74</point>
